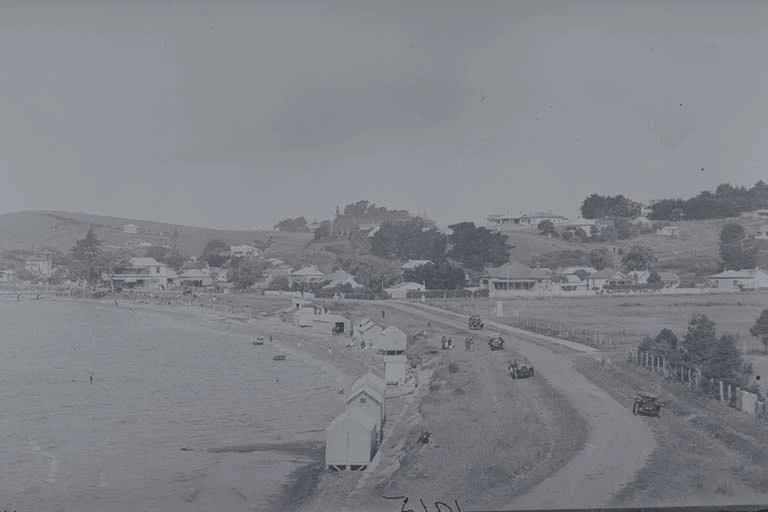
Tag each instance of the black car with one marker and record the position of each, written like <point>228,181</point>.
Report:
<point>520,370</point>
<point>647,405</point>
<point>496,343</point>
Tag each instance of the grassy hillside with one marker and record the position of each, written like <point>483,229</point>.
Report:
<point>32,230</point>
<point>696,250</point>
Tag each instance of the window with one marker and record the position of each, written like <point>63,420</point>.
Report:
<point>157,270</point>
<point>363,400</point>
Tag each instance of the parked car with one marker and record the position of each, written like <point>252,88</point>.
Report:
<point>496,342</point>
<point>475,323</point>
<point>520,370</point>
<point>647,405</point>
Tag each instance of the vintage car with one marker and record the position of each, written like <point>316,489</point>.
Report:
<point>520,370</point>
<point>475,323</point>
<point>496,342</point>
<point>647,405</point>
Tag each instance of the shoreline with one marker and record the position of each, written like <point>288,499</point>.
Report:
<point>300,485</point>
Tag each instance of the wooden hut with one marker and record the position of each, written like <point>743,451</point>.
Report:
<point>328,322</point>
<point>368,398</point>
<point>350,441</point>
<point>393,341</point>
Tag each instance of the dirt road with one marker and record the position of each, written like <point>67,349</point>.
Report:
<point>619,443</point>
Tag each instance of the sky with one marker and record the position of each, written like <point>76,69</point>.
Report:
<point>233,114</point>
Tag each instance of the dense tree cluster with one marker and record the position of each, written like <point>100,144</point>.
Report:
<point>726,201</point>
<point>718,356</point>
<point>475,247</point>
<point>299,224</point>
<point>736,250</point>
<point>598,207</point>
<point>639,258</point>
<point>409,240</point>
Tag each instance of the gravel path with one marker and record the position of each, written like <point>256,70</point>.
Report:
<point>619,443</point>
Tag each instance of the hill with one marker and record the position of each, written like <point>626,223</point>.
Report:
<point>694,253</point>
<point>55,230</point>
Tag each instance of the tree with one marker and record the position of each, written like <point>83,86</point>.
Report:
<point>213,247</point>
<point>443,276</point>
<point>596,207</point>
<point>474,247</point>
<point>216,260</point>
<point>547,227</point>
<point>157,252</point>
<point>760,329</point>
<point>639,257</point>
<point>700,339</point>
<point>85,254</point>
<point>581,234</point>
<point>600,258</point>
<point>280,282</point>
<point>732,251</point>
<point>175,260</point>
<point>323,231</point>
<point>409,240</point>
<point>245,272</point>
<point>295,225</point>
<point>725,361</point>
<point>24,275</point>
<point>110,262</point>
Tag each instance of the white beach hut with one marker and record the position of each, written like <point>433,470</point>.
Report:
<point>350,441</point>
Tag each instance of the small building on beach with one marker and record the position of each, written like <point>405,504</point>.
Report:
<point>395,368</point>
<point>393,341</point>
<point>328,323</point>
<point>350,441</point>
<point>368,332</point>
<point>367,398</point>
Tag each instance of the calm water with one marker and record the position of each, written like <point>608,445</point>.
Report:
<point>161,382</point>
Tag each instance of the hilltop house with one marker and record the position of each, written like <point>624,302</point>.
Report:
<point>585,224</point>
<point>142,273</point>
<point>514,277</point>
<point>750,279</point>
<point>668,231</point>
<point>131,229</point>
<point>39,266</point>
<point>525,220</point>
<point>240,251</point>
<point>759,214</point>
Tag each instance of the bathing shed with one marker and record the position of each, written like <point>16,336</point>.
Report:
<point>326,323</point>
<point>393,341</point>
<point>350,441</point>
<point>367,397</point>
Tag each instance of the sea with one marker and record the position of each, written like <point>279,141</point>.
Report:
<point>182,414</point>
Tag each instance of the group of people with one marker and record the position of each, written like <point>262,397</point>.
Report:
<point>469,344</point>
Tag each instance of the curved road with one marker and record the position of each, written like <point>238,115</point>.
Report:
<point>619,443</point>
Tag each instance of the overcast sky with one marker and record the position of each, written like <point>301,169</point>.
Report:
<point>220,114</point>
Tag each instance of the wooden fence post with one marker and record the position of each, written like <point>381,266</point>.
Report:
<point>721,391</point>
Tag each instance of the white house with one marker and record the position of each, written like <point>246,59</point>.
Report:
<point>6,275</point>
<point>131,229</point>
<point>670,279</point>
<point>525,220</point>
<point>306,274</point>
<point>751,279</point>
<point>350,441</point>
<point>142,273</point>
<point>759,214</point>
<point>400,291</point>
<point>241,251</point>
<point>605,277</point>
<point>196,278</point>
<point>668,231</point>
<point>38,266</point>
<point>340,278</point>
<point>514,277</point>
<point>762,233</point>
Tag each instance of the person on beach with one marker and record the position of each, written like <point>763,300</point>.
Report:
<point>270,338</point>
<point>383,313</point>
<point>18,297</point>
<point>91,377</point>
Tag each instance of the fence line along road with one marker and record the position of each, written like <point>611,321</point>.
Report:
<point>619,444</point>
